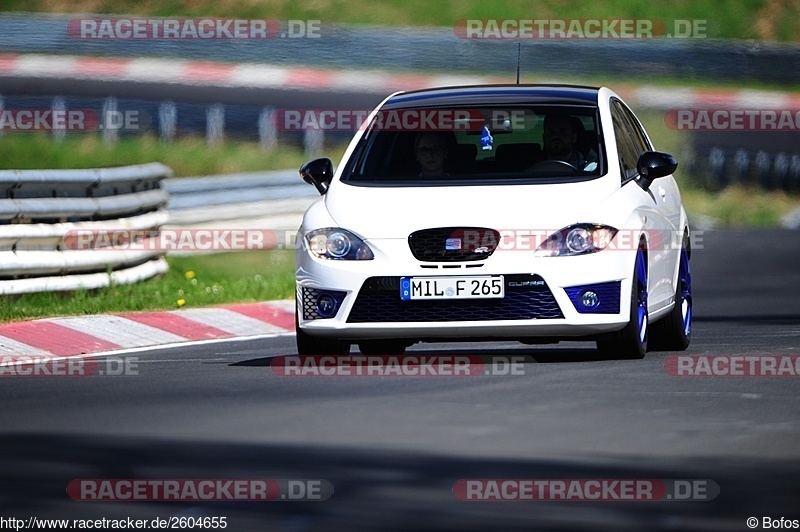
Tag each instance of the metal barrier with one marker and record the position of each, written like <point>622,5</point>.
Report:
<point>40,209</point>
<point>244,196</point>
<point>269,201</point>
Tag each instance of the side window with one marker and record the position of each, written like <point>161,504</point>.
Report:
<point>639,137</point>
<point>626,147</point>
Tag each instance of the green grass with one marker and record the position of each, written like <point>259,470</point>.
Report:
<point>192,281</point>
<point>739,206</point>
<point>740,19</point>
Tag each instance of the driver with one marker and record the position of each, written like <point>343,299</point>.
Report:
<point>559,139</point>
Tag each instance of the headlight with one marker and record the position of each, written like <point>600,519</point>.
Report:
<point>337,244</point>
<point>576,239</point>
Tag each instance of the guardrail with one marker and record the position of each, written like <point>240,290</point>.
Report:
<point>39,210</point>
<point>255,197</point>
<point>272,201</point>
<point>42,212</point>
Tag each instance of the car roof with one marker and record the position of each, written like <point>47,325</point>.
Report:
<point>495,95</point>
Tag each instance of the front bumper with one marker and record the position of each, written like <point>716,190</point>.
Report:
<point>368,305</point>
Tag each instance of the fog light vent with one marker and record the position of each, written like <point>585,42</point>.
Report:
<point>600,298</point>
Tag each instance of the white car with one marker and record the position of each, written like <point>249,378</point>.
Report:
<point>504,212</point>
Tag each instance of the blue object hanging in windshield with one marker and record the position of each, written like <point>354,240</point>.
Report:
<point>486,139</point>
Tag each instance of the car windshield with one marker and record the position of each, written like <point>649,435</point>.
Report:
<point>486,145</point>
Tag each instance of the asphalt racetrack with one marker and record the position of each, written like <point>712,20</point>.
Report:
<point>393,448</point>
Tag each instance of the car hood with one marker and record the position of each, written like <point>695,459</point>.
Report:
<point>396,212</point>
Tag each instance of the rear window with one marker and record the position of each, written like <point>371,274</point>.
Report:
<point>479,145</point>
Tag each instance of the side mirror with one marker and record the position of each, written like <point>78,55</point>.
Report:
<point>652,165</point>
<point>319,173</point>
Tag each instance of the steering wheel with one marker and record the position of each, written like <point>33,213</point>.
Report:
<point>553,165</point>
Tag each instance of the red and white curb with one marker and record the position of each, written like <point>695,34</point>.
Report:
<point>106,333</point>
<point>256,75</point>
<point>265,76</point>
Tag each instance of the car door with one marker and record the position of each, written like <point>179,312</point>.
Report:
<point>665,187</point>
<point>655,207</point>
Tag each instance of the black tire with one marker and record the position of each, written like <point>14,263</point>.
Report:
<point>382,347</point>
<point>674,332</point>
<point>631,341</point>
<point>309,345</point>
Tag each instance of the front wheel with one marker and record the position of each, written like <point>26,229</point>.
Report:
<point>674,332</point>
<point>631,342</point>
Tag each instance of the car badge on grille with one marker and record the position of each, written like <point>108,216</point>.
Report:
<point>482,249</point>
<point>452,244</point>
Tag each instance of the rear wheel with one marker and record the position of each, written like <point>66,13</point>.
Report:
<point>631,342</point>
<point>309,345</point>
<point>674,332</point>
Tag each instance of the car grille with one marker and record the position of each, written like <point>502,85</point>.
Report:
<point>379,301</point>
<point>465,244</point>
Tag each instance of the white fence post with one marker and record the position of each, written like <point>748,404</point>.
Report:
<point>742,164</point>
<point>59,107</point>
<point>716,160</point>
<point>313,141</point>
<point>167,121</point>
<point>215,124</point>
<point>267,132</point>
<point>763,163</point>
<point>109,120</point>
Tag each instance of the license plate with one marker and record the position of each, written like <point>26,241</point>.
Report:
<point>483,287</point>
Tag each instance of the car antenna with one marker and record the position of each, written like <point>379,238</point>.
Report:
<point>519,52</point>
